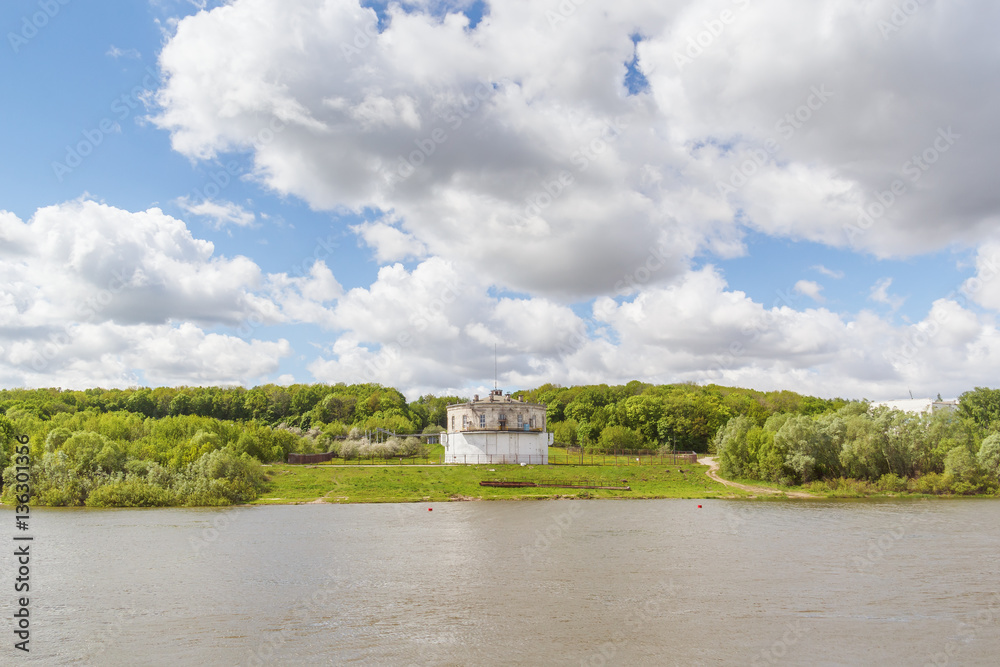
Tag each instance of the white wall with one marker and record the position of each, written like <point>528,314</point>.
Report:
<point>497,447</point>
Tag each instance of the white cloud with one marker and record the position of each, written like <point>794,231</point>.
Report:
<point>94,295</point>
<point>464,137</point>
<point>880,294</point>
<point>811,289</point>
<point>220,213</point>
<point>389,243</point>
<point>116,53</point>
<point>830,273</point>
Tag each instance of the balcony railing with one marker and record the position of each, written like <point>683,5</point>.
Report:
<point>501,427</point>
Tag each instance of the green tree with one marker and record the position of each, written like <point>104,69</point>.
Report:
<point>141,402</point>
<point>988,457</point>
<point>981,407</point>
<point>619,437</point>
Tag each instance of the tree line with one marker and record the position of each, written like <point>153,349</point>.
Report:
<point>205,445</point>
<point>194,445</point>
<point>637,415</point>
<point>947,451</point>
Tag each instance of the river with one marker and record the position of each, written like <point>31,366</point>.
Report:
<point>598,582</point>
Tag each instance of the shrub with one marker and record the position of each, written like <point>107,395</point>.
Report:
<point>130,493</point>
<point>618,437</point>
<point>892,483</point>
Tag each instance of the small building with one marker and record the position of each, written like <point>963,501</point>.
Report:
<point>496,429</point>
<point>918,406</point>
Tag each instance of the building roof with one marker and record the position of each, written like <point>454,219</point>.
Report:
<point>496,397</point>
<point>918,405</point>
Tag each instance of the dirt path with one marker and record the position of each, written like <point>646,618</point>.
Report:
<point>713,467</point>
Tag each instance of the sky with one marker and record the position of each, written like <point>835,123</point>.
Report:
<point>759,193</point>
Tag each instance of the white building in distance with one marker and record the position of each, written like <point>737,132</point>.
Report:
<point>496,429</point>
<point>918,406</point>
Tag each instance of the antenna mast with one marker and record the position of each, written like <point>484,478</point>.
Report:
<point>494,366</point>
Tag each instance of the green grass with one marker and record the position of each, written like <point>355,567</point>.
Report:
<point>374,484</point>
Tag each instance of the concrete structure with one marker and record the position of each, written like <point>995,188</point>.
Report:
<point>918,406</point>
<point>496,429</point>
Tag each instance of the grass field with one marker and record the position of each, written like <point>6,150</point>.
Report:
<point>436,483</point>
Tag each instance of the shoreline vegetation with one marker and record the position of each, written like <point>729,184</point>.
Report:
<point>212,446</point>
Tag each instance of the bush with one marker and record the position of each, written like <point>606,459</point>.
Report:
<point>892,483</point>
<point>931,483</point>
<point>130,493</point>
<point>618,437</point>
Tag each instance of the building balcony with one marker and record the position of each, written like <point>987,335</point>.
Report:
<point>469,428</point>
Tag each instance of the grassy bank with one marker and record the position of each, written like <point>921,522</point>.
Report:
<point>371,484</point>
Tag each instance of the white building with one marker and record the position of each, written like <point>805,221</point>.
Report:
<point>496,429</point>
<point>918,405</point>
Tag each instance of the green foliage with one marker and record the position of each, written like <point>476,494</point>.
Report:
<point>137,439</point>
<point>980,407</point>
<point>961,467</point>
<point>131,493</point>
<point>618,438</point>
<point>566,432</point>
<point>988,457</point>
<point>7,433</point>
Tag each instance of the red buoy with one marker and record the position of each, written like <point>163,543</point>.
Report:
<point>431,509</point>
<point>699,506</point>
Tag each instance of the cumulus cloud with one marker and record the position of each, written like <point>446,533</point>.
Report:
<point>540,205</point>
<point>880,294</point>
<point>115,52</point>
<point>515,146</point>
<point>220,213</point>
<point>389,243</point>
<point>830,273</point>
<point>92,294</point>
<point>811,289</point>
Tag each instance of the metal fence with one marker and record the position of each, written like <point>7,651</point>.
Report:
<point>557,456</point>
<point>628,457</point>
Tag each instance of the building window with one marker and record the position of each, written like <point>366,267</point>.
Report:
<point>465,421</point>
<point>520,420</point>
<point>531,422</point>
<point>453,422</point>
<point>482,421</point>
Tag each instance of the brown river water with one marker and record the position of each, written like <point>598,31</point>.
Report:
<point>591,583</point>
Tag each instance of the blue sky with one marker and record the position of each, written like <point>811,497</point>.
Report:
<point>389,191</point>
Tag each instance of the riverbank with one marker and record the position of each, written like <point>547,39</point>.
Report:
<point>298,484</point>
<point>291,484</point>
